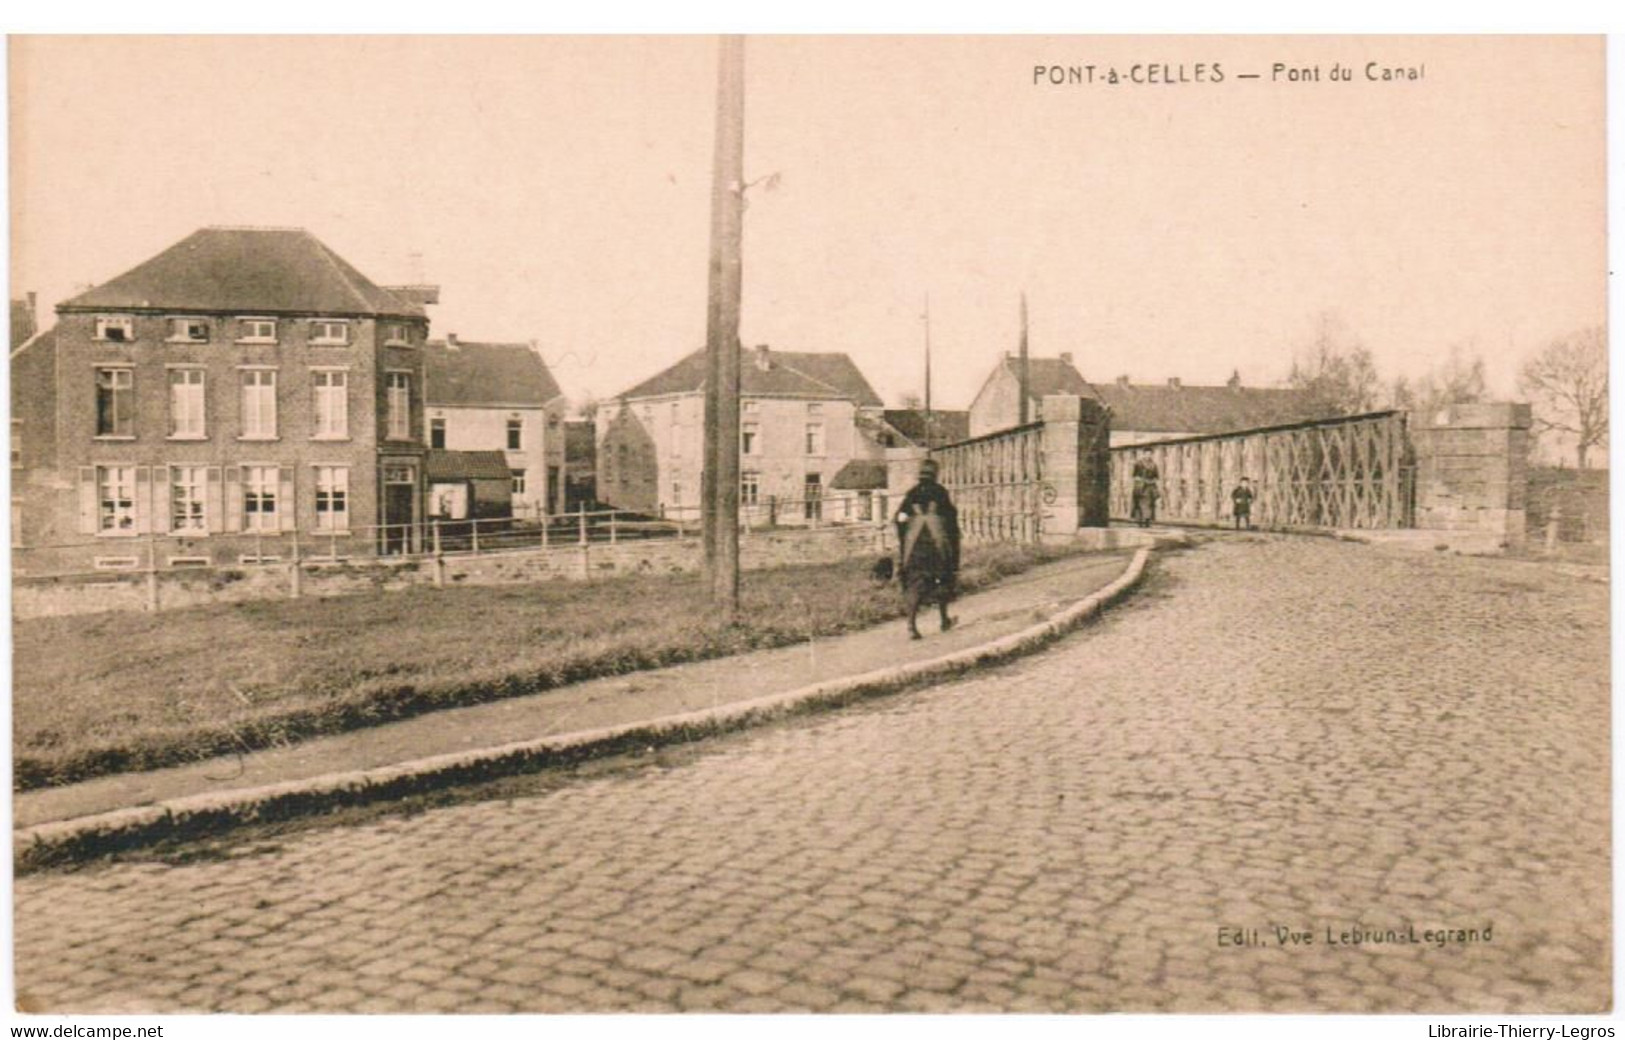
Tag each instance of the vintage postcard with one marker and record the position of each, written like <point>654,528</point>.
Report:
<point>801,524</point>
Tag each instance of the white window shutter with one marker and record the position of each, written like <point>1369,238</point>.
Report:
<point>161,492</point>
<point>234,498</point>
<point>285,511</point>
<point>215,503</point>
<point>143,499</point>
<point>88,519</point>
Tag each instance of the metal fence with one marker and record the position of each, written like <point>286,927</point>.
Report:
<point>1353,472</point>
<point>996,481</point>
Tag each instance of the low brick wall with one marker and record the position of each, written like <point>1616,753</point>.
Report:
<point>89,594</point>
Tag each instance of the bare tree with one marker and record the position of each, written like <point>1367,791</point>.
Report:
<point>1459,379</point>
<point>1567,384</point>
<point>1336,369</point>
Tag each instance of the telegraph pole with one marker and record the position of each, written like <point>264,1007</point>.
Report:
<point>930,419</point>
<point>720,478</point>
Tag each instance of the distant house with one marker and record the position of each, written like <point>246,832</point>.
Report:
<point>24,320</point>
<point>500,397</point>
<point>800,417</point>
<point>580,465</point>
<point>240,389</point>
<point>928,429</point>
<point>34,480</point>
<point>1140,412</point>
<point>468,485</point>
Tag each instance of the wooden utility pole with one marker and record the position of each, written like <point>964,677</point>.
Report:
<point>720,478</point>
<point>1023,376</point>
<point>930,419</point>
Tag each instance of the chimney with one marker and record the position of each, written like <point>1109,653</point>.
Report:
<point>1234,382</point>
<point>1066,355</point>
<point>1173,383</point>
<point>451,341</point>
<point>762,362</point>
<point>1122,381</point>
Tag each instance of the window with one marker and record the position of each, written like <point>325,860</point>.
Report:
<point>332,403</point>
<point>259,498</point>
<point>186,404</point>
<point>750,487</point>
<point>395,334</point>
<point>516,434</point>
<point>187,511</point>
<point>256,330</point>
<point>519,482</point>
<point>676,493</point>
<point>115,330</point>
<point>400,406</point>
<point>259,404</point>
<point>16,443</point>
<point>747,438</point>
<point>115,402</point>
<point>815,438</point>
<point>437,433</point>
<point>115,497</point>
<point>814,408</point>
<point>748,407</point>
<point>188,330</point>
<point>333,498</point>
<point>811,491</point>
<point>328,333</point>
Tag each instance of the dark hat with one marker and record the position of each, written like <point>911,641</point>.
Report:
<point>929,466</point>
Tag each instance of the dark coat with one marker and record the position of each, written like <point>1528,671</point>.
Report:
<point>928,496</point>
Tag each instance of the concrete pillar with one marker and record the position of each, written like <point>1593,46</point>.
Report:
<point>1472,469</point>
<point>1077,464</point>
<point>1063,514</point>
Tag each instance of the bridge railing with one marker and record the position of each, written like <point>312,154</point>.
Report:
<point>1351,472</point>
<point>996,481</point>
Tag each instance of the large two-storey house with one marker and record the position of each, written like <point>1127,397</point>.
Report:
<point>242,390</point>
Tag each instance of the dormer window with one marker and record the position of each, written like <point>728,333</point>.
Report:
<point>324,333</point>
<point>256,330</point>
<point>188,330</point>
<point>395,334</point>
<point>115,330</point>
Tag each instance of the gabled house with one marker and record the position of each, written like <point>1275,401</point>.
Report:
<point>1140,412</point>
<point>799,426</point>
<point>499,397</point>
<point>241,389</point>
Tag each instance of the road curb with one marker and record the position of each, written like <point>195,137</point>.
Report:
<point>87,837</point>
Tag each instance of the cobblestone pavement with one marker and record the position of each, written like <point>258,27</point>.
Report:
<point>1293,732</point>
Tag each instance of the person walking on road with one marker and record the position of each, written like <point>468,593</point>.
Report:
<point>928,547</point>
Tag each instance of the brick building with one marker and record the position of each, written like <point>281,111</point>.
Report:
<point>241,389</point>
<point>1140,411</point>
<point>485,397</point>
<point>803,417</point>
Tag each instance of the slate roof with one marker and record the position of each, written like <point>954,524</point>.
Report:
<point>788,373</point>
<point>860,475</point>
<point>439,464</point>
<point>487,374</point>
<point>1170,408</point>
<point>947,427</point>
<point>246,271</point>
<point>1160,408</point>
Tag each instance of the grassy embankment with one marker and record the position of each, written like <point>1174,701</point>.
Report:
<point>120,692</point>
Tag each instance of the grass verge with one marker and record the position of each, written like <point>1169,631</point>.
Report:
<point>123,692</point>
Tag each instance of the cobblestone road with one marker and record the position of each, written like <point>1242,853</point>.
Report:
<point>1285,732</point>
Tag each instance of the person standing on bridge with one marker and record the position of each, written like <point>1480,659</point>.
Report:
<point>1144,504</point>
<point>1241,504</point>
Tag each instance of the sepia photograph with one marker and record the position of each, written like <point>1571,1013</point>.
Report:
<point>809,525</point>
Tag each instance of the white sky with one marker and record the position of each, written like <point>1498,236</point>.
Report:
<point>557,189</point>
